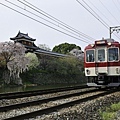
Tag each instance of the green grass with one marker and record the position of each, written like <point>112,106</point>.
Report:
<point>108,115</point>
<point>115,107</point>
<point>110,112</point>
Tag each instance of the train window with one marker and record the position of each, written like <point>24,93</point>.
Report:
<point>101,55</point>
<point>90,56</point>
<point>113,54</point>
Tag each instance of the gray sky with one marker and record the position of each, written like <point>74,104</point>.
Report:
<point>68,11</point>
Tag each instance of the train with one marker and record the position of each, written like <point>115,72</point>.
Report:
<point>102,63</point>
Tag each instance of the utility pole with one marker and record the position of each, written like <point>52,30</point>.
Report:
<point>112,29</point>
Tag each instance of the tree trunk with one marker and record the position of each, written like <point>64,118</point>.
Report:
<point>6,76</point>
<point>13,79</point>
<point>16,80</point>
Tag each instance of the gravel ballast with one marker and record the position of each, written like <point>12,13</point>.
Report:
<point>85,111</point>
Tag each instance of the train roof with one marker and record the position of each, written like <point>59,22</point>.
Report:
<point>103,42</point>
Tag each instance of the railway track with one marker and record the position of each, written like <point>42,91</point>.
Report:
<point>31,103</point>
<point>38,92</point>
<point>56,107</point>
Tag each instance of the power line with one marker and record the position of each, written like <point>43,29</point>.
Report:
<point>41,22</point>
<point>111,15</point>
<point>44,19</point>
<point>60,22</point>
<point>93,14</point>
<point>108,11</point>
<point>100,12</point>
<point>54,19</point>
<point>116,5</point>
<point>103,22</point>
<point>116,8</point>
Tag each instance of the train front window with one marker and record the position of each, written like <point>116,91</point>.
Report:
<point>101,55</point>
<point>90,56</point>
<point>113,54</point>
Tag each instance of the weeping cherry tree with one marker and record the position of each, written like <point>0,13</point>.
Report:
<point>15,62</point>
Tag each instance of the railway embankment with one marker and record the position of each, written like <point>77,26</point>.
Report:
<point>86,111</point>
<point>89,110</point>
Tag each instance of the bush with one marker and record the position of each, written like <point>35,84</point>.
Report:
<point>108,115</point>
<point>110,112</point>
<point>115,107</point>
<point>56,71</point>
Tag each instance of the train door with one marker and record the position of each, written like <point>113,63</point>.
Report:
<point>101,67</point>
<point>101,60</point>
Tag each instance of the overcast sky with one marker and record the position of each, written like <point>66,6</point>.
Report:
<point>71,12</point>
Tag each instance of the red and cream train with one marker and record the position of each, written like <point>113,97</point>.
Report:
<point>102,63</point>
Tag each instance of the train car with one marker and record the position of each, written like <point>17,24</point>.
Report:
<point>102,63</point>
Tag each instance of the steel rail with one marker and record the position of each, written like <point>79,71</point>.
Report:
<point>15,95</point>
<point>31,103</point>
<point>57,107</point>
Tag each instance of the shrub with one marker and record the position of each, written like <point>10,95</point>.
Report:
<point>115,107</point>
<point>108,115</point>
<point>110,112</point>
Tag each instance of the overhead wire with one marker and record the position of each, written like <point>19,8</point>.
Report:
<point>116,5</point>
<point>93,14</point>
<point>100,12</point>
<point>45,19</point>
<point>67,26</point>
<point>41,22</point>
<point>111,15</point>
<point>117,8</point>
<point>30,5</point>
<point>105,17</point>
<point>108,11</point>
<point>97,17</point>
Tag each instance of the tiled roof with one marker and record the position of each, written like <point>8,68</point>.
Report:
<point>22,35</point>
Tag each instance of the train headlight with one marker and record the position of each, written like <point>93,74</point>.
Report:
<point>92,45</point>
<point>109,43</point>
<point>117,70</point>
<point>88,72</point>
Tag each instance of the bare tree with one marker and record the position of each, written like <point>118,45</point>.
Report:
<point>15,62</point>
<point>77,53</point>
<point>44,47</point>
